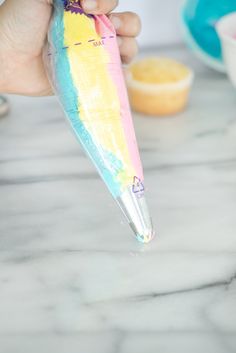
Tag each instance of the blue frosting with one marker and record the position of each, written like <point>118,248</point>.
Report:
<point>69,98</point>
<point>200,16</point>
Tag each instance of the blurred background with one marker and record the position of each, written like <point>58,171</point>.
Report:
<point>161,20</point>
<point>72,278</point>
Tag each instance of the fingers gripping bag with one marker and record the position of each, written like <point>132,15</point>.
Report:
<point>83,64</point>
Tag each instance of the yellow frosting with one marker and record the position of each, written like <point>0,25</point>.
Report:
<point>89,72</point>
<point>159,71</point>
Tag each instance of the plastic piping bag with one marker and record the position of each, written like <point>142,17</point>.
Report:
<point>83,64</point>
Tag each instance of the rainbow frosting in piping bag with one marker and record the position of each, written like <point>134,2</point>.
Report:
<point>84,66</point>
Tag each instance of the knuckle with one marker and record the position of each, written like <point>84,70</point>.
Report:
<point>109,4</point>
<point>136,22</point>
<point>130,47</point>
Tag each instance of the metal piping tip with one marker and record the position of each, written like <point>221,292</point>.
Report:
<point>135,209</point>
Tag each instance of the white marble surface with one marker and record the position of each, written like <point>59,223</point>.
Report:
<point>72,277</point>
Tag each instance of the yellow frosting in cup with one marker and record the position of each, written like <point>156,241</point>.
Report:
<point>158,71</point>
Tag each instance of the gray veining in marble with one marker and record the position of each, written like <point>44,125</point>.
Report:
<point>72,277</point>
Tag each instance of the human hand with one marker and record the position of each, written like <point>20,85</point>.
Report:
<point>23,31</point>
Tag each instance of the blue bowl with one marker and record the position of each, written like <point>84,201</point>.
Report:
<point>199,18</point>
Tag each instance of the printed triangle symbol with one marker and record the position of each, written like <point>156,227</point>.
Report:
<point>138,186</point>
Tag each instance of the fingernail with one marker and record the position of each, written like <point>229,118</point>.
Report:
<point>116,21</point>
<point>119,41</point>
<point>90,5</point>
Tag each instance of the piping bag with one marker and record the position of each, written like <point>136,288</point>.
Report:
<point>83,63</point>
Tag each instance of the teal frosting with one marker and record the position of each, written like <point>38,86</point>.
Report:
<point>200,16</point>
<point>107,164</point>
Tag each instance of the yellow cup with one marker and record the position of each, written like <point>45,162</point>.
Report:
<point>159,86</point>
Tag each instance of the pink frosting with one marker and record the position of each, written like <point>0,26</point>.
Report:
<point>106,29</point>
